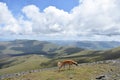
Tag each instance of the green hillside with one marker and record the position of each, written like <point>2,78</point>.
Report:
<point>22,63</point>
<point>16,55</point>
<point>22,55</point>
<point>25,47</point>
<point>89,71</point>
<point>86,56</point>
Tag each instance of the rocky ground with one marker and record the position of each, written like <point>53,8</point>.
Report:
<point>111,72</point>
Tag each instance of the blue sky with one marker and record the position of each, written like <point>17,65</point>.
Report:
<point>16,5</point>
<point>97,20</point>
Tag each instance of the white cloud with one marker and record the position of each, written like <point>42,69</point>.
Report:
<point>26,26</point>
<point>8,23</point>
<point>97,16</point>
<point>55,28</point>
<point>91,19</point>
<point>51,20</point>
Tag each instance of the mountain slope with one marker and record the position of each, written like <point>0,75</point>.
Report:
<point>86,56</point>
<point>94,45</point>
<point>25,47</point>
<point>15,55</point>
<point>104,70</point>
<point>20,54</point>
<point>21,63</point>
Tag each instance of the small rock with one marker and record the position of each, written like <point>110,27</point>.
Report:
<point>71,77</point>
<point>101,77</point>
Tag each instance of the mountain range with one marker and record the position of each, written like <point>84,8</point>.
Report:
<point>17,55</point>
<point>93,45</point>
<point>25,47</point>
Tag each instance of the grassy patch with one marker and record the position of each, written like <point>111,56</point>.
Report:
<point>24,63</point>
<point>83,72</point>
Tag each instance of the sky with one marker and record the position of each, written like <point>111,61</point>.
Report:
<point>93,20</point>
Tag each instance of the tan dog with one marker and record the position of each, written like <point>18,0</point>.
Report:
<point>66,62</point>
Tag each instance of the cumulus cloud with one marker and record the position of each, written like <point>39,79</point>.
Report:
<point>7,22</point>
<point>96,15</point>
<point>51,20</point>
<point>10,25</point>
<point>91,19</point>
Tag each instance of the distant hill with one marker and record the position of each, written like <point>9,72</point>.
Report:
<point>94,45</point>
<point>25,47</point>
<point>5,39</point>
<point>87,56</point>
